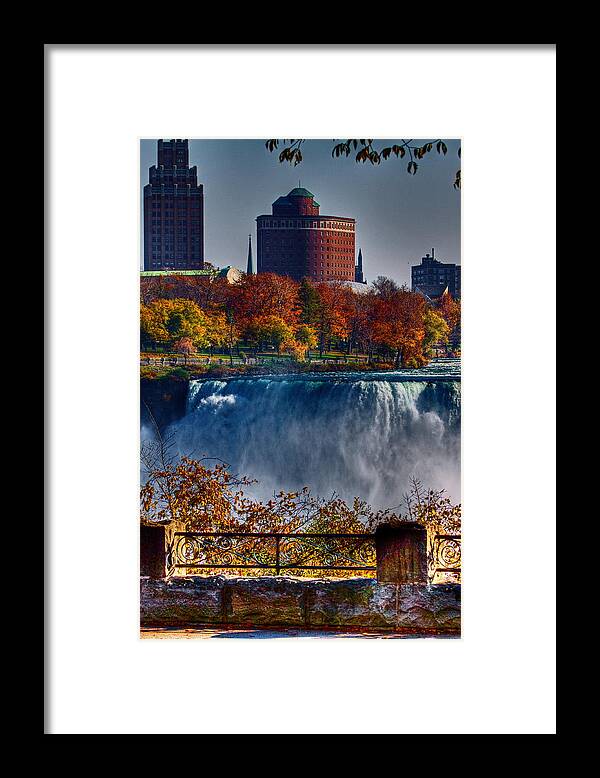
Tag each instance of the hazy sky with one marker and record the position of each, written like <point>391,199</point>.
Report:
<point>399,217</point>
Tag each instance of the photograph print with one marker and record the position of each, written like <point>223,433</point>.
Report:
<point>300,388</point>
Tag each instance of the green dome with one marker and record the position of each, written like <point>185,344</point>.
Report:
<point>300,192</point>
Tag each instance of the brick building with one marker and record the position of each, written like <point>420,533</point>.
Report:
<point>173,211</point>
<point>432,276</point>
<point>297,241</point>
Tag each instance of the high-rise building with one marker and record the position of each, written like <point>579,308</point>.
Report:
<point>173,211</point>
<point>432,276</point>
<point>297,241</point>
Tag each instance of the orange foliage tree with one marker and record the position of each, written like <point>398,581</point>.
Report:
<point>449,310</point>
<point>268,294</point>
<point>334,313</point>
<point>362,320</point>
<point>184,346</point>
<point>207,292</point>
<point>399,326</point>
<point>306,339</point>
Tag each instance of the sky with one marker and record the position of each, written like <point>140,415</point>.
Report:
<point>400,217</point>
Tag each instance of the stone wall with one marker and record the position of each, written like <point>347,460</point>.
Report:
<point>269,601</point>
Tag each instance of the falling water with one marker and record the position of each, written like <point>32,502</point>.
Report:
<point>354,434</point>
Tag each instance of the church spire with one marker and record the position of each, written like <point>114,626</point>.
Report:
<point>358,270</point>
<point>249,268</point>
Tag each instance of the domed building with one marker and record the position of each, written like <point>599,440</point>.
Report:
<point>298,241</point>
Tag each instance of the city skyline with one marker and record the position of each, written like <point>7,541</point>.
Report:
<point>399,217</point>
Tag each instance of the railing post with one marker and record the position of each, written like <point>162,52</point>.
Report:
<point>401,551</point>
<point>152,551</point>
<point>277,570</point>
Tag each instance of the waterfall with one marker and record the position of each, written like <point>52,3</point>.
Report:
<point>353,435</point>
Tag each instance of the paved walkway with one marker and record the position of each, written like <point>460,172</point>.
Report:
<point>171,633</point>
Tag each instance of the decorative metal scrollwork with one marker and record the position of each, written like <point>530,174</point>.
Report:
<point>192,550</point>
<point>444,559</point>
<point>327,552</point>
<point>255,553</point>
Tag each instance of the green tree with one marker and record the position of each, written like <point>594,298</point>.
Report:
<point>309,302</point>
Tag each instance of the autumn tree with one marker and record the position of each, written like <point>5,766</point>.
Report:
<point>400,325</point>
<point>184,346</point>
<point>333,320</point>
<point>449,309</point>
<point>269,330</point>
<point>436,330</point>
<point>207,291</point>
<point>363,320</point>
<point>409,150</point>
<point>361,315</point>
<point>154,288</point>
<point>306,337</point>
<point>268,294</point>
<point>154,319</point>
<point>168,321</point>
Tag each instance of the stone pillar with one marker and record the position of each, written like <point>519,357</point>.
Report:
<point>152,551</point>
<point>401,551</point>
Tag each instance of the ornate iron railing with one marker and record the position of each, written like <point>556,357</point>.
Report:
<point>300,553</point>
<point>444,558</point>
<point>267,551</point>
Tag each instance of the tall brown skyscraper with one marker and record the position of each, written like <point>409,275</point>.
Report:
<point>296,240</point>
<point>173,211</point>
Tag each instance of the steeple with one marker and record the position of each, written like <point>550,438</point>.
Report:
<point>249,268</point>
<point>358,270</point>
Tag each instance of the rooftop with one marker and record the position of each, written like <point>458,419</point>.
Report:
<point>150,273</point>
<point>314,217</point>
<point>299,191</point>
<point>223,272</point>
<point>431,291</point>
